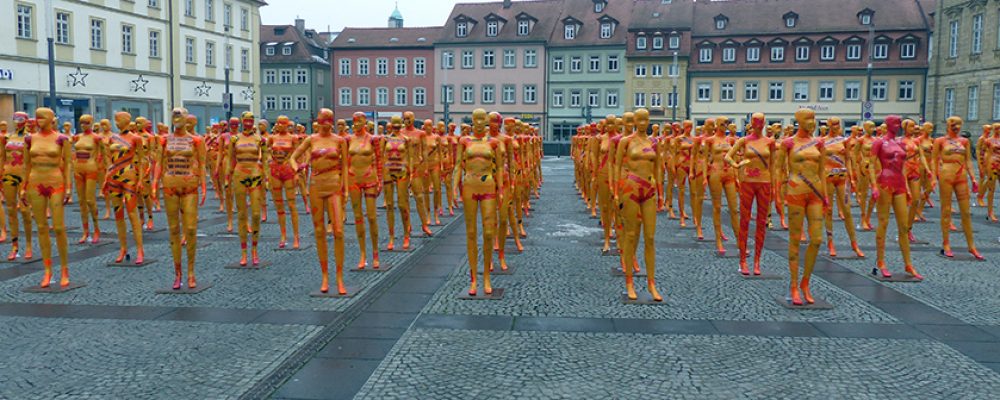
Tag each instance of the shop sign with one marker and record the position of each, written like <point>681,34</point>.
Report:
<point>6,74</point>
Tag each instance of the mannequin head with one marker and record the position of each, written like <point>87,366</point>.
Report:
<point>247,120</point>
<point>806,118</point>
<point>281,125</point>
<point>122,121</point>
<point>479,122</point>
<point>466,129</point>
<point>360,123</point>
<point>86,123</point>
<point>868,127</point>
<point>341,125</point>
<point>835,127</point>
<point>142,124</point>
<point>509,126</point>
<point>495,119</point>
<point>954,125</point>
<point>641,120</point>
<point>892,125</point>
<point>757,124</point>
<point>263,126</point>
<point>927,129</point>
<point>708,127</point>
<point>442,128</point>
<point>428,127</point>
<point>45,118</point>
<point>396,123</point>
<point>823,129</point>
<point>688,125</point>
<point>451,129</point>
<point>408,119</point>
<point>721,124</point>
<point>986,129</point>
<point>324,119</point>
<point>629,120</point>
<point>192,121</point>
<point>996,128</point>
<point>909,127</point>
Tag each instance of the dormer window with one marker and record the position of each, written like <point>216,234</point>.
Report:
<point>791,19</point>
<point>599,6</point>
<point>570,32</point>
<point>492,28</point>
<point>721,21</point>
<point>571,27</point>
<point>608,25</point>
<point>657,42</point>
<point>462,29</point>
<point>523,27</point>
<point>270,50</point>
<point>865,16</point>
<point>866,19</point>
<point>640,43</point>
<point>606,30</point>
<point>287,50</point>
<point>675,41</point>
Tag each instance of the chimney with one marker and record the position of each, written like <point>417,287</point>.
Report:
<point>300,25</point>
<point>506,4</point>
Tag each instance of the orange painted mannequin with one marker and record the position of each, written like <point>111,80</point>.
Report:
<point>913,169</point>
<point>213,146</point>
<point>398,161</point>
<point>14,176</point>
<point>225,141</point>
<point>519,183</point>
<point>264,131</point>
<point>838,172</point>
<point>506,215</point>
<point>247,154</point>
<point>524,178</point>
<point>683,151</point>
<point>603,154</point>
<point>952,167</point>
<point>720,176</point>
<point>635,194</point>
<point>668,133</point>
<point>47,166</point>
<point>447,166</point>
<point>281,145</point>
<point>661,144</point>
<point>364,159</point>
<point>3,212</point>
<point>992,162</point>
<point>981,160</point>
<point>103,134</point>
<point>697,177</point>
<point>851,143</point>
<point>478,163</point>
<point>182,173</point>
<point>782,171</point>
<point>432,160</point>
<point>806,198</point>
<point>420,170</point>
<point>756,176</point>
<point>863,151</point>
<point>123,182</point>
<point>303,174</point>
<point>85,150</point>
<point>328,164</point>
<point>162,131</point>
<point>452,159</point>
<point>927,184</point>
<point>143,127</point>
<point>890,189</point>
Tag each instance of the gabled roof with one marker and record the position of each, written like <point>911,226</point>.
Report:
<point>494,17</point>
<point>304,47</point>
<point>757,17</point>
<point>589,34</point>
<point>353,38</point>
<point>545,13</point>
<point>654,14</point>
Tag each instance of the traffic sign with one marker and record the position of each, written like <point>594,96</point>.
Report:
<point>867,110</point>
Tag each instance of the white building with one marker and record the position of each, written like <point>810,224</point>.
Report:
<point>141,56</point>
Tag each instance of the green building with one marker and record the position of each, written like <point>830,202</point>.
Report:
<point>295,72</point>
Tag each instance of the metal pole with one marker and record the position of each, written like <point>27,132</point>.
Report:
<point>675,71</point>
<point>871,48</point>
<point>229,111</point>
<point>52,55</point>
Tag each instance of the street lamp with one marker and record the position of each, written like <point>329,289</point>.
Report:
<point>674,74</point>
<point>871,49</point>
<point>52,53</point>
<point>227,101</point>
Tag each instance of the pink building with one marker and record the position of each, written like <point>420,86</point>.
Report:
<point>384,71</point>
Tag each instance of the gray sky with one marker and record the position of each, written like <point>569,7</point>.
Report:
<point>319,14</point>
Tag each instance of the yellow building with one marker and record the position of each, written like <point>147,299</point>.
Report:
<point>656,65</point>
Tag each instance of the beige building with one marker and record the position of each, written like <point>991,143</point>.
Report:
<point>657,57</point>
<point>965,74</point>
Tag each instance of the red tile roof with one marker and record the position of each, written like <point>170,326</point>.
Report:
<point>351,38</point>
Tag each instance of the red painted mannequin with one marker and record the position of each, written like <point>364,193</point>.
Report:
<point>757,177</point>
<point>890,189</point>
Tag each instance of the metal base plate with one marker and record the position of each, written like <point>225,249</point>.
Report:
<point>480,295</point>
<point>261,265</point>
<point>497,271</point>
<point>616,271</point>
<point>762,277</point>
<point>351,292</point>
<point>186,290</point>
<point>131,264</point>
<point>381,268</point>
<point>642,299</point>
<point>54,288</point>
<point>900,277</point>
<point>819,304</point>
<point>288,247</point>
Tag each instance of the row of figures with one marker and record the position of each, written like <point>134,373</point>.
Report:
<point>245,158</point>
<point>627,171</point>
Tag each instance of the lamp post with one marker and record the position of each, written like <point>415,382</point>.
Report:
<point>227,101</point>
<point>674,74</point>
<point>871,49</point>
<point>52,53</point>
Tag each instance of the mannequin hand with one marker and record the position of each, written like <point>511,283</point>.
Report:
<point>24,198</point>
<point>203,196</point>
<point>875,193</point>
<point>67,197</point>
<point>742,163</point>
<point>975,186</point>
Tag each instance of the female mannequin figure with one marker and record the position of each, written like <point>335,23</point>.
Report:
<point>914,167</point>
<point>85,150</point>
<point>432,180</point>
<point>698,166</point>
<point>782,171</point>
<point>327,163</point>
<point>225,141</point>
<point>668,134</point>
<point>46,164</point>
<point>806,198</point>
<point>720,177</point>
<point>282,144</point>
<point>852,143</point>
<point>397,163</point>
<point>303,173</point>
<point>213,146</point>
<point>146,164</point>
<point>756,175</point>
<point>926,183</point>
<point>507,216</point>
<point>123,182</point>
<point>635,194</point>
<point>364,159</point>
<point>863,151</point>
<point>683,146</point>
<point>182,169</point>
<point>889,154</point>
<point>478,164</point>
<point>982,160</point>
<point>992,162</point>
<point>838,169</point>
<point>952,164</point>
<point>448,140</point>
<point>246,172</point>
<point>14,176</point>
<point>603,154</point>
<point>419,171</point>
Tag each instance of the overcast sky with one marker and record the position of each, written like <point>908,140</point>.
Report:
<point>336,14</point>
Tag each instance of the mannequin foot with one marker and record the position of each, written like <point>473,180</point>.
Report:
<point>724,238</point>
<point>451,211</point>
<point>391,245</point>
<point>139,256</point>
<point>910,236</point>
<point>975,253</point>
<point>635,266</point>
<point>13,254</point>
<point>427,231</point>
<point>795,296</point>
<point>375,261</point>
<point>683,223</point>
<point>743,268</point>
<point>83,239</point>
<point>192,282</point>
<point>672,214</point>
<point>701,236</point>
<point>406,242</point>
<point>324,287</point>
<point>46,278</point>
<point>363,263</point>
<point>254,258</point>
<point>913,272</point>
<point>149,224</point>
<point>28,254</point>
<point>830,246</point>
<point>229,226</point>
<point>107,215</point>
<point>784,225</point>
<point>651,286</point>
<point>437,222</point>
<point>980,202</point>
<point>518,245</point>
<point>281,243</point>
<point>96,238</point>
<point>721,251</point>
<point>953,228</point>
<point>946,251</point>
<point>503,264</point>
<point>64,278</point>
<point>880,268</point>
<point>295,242</point>
<point>524,233</point>
<point>857,250</point>
<point>341,289</point>
<point>177,282</point>
<point>243,258</point>
<point>121,255</point>
<point>472,288</point>
<point>756,267</point>
<point>3,236</point>
<point>806,294</point>
<point>630,288</point>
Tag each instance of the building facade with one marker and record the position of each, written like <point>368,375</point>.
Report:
<point>295,69</point>
<point>965,72</point>
<point>659,41</point>
<point>137,56</point>
<point>777,57</point>
<point>586,63</point>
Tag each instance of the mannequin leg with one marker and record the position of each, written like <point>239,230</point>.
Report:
<point>256,210</point>
<point>293,210</point>
<point>357,207</point>
<point>403,202</point>
<point>189,208</point>
<point>228,194</point>
<point>681,179</point>
<point>489,213</point>
<point>947,189</point>
<point>648,217</point>
<point>899,208</point>
<point>762,194</point>
<point>278,197</point>
<point>118,205</point>
<point>697,196</point>
<point>867,205</point>
<point>715,188</point>
<point>420,195</point>
<point>471,236</point>
<point>436,193</point>
<point>388,201</point>
<point>604,200</point>
<point>733,202</point>
<point>882,204</point>
<point>81,193</point>
<point>814,214</point>
<point>796,217</point>
<point>241,193</point>
<point>962,193</point>
<point>318,212</point>
<point>668,193</point>
<point>59,224</point>
<point>39,204</point>
<point>747,190</point>
<point>828,220</point>
<point>131,202</point>
<point>628,240</point>
<point>172,207</point>
<point>990,188</point>
<point>370,211</point>
<point>840,195</point>
<point>915,201</point>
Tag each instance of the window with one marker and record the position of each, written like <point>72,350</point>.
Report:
<point>557,64</point>
<point>655,100</point>
<point>381,66</point>
<point>557,98</point>
<point>362,67</point>
<point>286,50</point>
<point>227,15</point>
<point>302,76</point>
<point>448,94</point>
<point>777,54</point>
<point>345,96</point>
<point>657,42</point>
<point>209,53</point>
<point>244,19</point>
<point>953,41</point>
<point>949,102</point>
<point>345,67</point>
<point>727,91</point>
<point>790,22</point>
<point>575,64</point>
<point>128,42</point>
<point>776,91</point>
<point>753,54</point>
<point>467,59</point>
<point>598,6</point>
<point>509,58</point>
<point>720,23</point>
<point>800,91</point>
<point>827,52</point>
<point>523,27</point>
<point>530,94</point>
<point>302,102</point>
<point>269,51</point>
<point>906,89</point>
<point>854,52</point>
<point>154,44</point>
<point>605,30</point>
<point>467,94</point>
<point>189,8</point>
<point>154,3</point>
<point>447,60</point>
<point>189,50</point>
<point>319,78</point>
<point>382,96</point>
<point>400,98</point>
<point>996,101</point>
<point>270,102</point>
<point>488,94</point>
<point>97,36</point>
<point>729,54</point>
<point>530,58</point>
<point>801,53</point>
<point>462,29</point>
<point>881,51</point>
<point>419,66</point>
<point>852,91</point>
<point>285,76</point>
<point>908,50</point>
<point>657,70</point>
<point>489,60</point>
<point>492,28</point>
<point>672,100</point>
<point>751,91</point>
<point>595,63</point>
<point>209,10</point>
<point>507,93</point>
<point>419,97</point>
<point>640,43</point>
<point>364,97</point>
<point>270,77</point>
<point>639,100</point>
<point>973,110</point>
<point>611,98</point>
<point>574,98</point>
<point>705,55</point>
<point>400,66</point>
<point>244,59</point>
<point>62,27</point>
<point>286,102</point>
<point>866,19</point>
<point>826,89</point>
<point>977,34</point>
<point>593,98</point>
<point>640,70</point>
<point>229,57</point>
<point>675,42</point>
<point>674,70</point>
<point>880,90</point>
<point>704,91</point>
<point>613,64</point>
<point>569,32</point>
